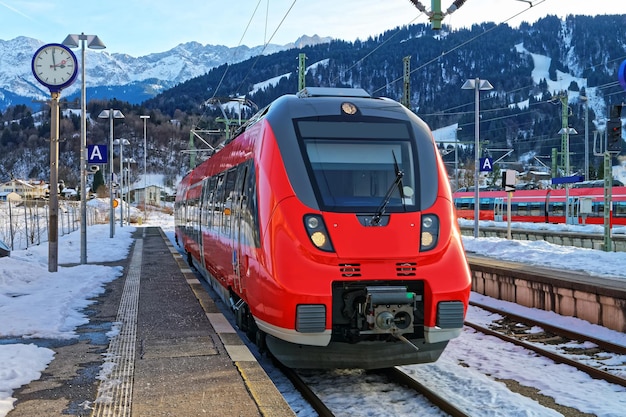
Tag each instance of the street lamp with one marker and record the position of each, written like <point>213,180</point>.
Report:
<point>121,143</point>
<point>93,42</point>
<point>567,131</point>
<point>111,114</point>
<point>477,85</point>
<point>128,162</point>
<point>145,176</point>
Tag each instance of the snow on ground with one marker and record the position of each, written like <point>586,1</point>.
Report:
<point>38,303</point>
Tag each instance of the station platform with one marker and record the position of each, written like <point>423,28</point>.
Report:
<point>164,346</point>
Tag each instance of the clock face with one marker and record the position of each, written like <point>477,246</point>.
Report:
<point>54,66</point>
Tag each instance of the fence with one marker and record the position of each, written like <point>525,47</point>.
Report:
<point>25,223</point>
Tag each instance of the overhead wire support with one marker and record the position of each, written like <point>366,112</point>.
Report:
<point>436,16</point>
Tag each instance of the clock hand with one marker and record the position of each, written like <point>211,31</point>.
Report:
<point>54,64</point>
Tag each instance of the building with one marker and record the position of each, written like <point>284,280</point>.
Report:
<point>28,190</point>
<point>150,194</point>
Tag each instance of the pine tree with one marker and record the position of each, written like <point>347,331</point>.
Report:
<point>98,184</point>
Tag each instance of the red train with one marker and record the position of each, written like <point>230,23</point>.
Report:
<point>327,223</point>
<point>545,206</point>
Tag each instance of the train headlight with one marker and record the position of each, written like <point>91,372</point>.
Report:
<point>316,229</point>
<point>429,233</point>
<point>318,239</point>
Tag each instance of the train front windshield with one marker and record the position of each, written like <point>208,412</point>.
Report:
<point>360,166</point>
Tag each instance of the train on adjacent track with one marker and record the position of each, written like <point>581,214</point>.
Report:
<point>586,205</point>
<point>327,224</point>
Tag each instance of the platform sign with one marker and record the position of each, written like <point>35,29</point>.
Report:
<point>97,154</point>
<point>486,164</point>
<point>568,180</point>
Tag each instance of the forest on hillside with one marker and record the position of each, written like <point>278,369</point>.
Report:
<point>585,48</point>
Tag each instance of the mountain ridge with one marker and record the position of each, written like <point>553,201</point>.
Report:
<point>121,76</point>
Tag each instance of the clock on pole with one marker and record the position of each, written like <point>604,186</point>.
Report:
<point>55,67</point>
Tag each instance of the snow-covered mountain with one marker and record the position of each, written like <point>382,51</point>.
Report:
<point>123,76</point>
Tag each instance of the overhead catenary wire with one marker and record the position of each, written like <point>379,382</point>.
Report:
<point>266,42</point>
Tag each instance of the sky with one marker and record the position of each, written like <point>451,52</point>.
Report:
<point>42,304</point>
<point>141,27</point>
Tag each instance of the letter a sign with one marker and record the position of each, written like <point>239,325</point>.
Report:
<point>97,154</point>
<point>486,164</point>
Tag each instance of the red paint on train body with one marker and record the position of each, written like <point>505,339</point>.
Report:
<point>328,225</point>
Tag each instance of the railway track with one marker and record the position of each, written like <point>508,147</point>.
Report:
<point>391,375</point>
<point>554,343</point>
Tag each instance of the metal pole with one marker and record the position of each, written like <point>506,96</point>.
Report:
<point>145,165</point>
<point>111,208</point>
<point>608,191</point>
<point>83,159</point>
<point>456,160</point>
<point>476,156</point>
<point>121,183</point>
<point>586,139</point>
<point>568,214</point>
<point>53,228</point>
<point>128,193</point>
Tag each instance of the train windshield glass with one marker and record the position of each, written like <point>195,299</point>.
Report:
<point>360,166</point>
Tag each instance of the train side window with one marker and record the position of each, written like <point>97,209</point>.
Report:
<point>227,200</point>
<point>463,203</point>
<point>237,201</point>
<point>558,209</point>
<point>619,208</point>
<point>250,216</point>
<point>217,204</point>
<point>486,204</point>
<point>536,208</point>
<point>211,201</point>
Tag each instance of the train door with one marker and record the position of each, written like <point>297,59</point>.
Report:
<point>572,210</point>
<point>239,259</point>
<point>498,209</point>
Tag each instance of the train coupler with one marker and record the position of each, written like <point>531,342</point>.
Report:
<point>390,310</point>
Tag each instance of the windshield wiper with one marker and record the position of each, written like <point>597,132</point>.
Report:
<point>375,220</point>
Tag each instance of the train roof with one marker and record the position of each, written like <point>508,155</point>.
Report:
<point>332,92</point>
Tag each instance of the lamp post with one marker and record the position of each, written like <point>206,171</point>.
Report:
<point>128,162</point>
<point>93,42</point>
<point>121,143</point>
<point>477,85</point>
<point>145,176</point>
<point>111,114</point>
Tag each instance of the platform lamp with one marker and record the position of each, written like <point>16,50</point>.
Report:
<point>93,42</point>
<point>128,162</point>
<point>111,114</point>
<point>145,176</point>
<point>121,143</point>
<point>477,85</point>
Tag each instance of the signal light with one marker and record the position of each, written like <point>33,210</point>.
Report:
<point>614,134</point>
